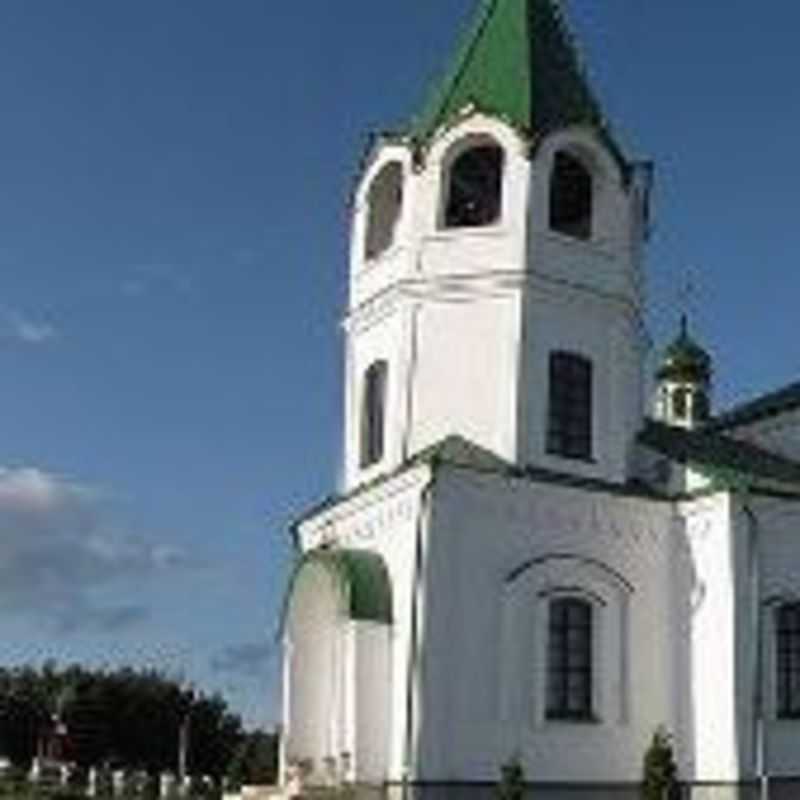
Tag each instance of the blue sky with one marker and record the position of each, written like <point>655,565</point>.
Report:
<point>173,228</point>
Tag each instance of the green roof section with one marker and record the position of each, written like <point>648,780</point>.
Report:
<point>362,579</point>
<point>719,455</point>
<point>518,62</point>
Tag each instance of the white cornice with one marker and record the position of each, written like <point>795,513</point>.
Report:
<point>469,287</point>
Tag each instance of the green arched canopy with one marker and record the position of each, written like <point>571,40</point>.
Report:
<point>362,579</point>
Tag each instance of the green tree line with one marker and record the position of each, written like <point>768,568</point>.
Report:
<point>122,717</point>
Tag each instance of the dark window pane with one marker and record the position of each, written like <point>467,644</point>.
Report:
<point>680,403</point>
<point>569,668</point>
<point>569,430</point>
<point>373,414</point>
<point>474,189</point>
<point>788,661</point>
<point>385,202</point>
<point>571,197</point>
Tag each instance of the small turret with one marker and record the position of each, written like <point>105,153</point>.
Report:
<point>683,393</point>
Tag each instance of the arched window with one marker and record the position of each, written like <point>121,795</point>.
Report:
<point>569,424</point>
<point>384,204</point>
<point>373,413</point>
<point>569,659</point>
<point>474,188</point>
<point>787,646</point>
<point>571,197</point>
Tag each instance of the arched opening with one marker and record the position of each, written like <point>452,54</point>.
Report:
<point>373,413</point>
<point>474,188</point>
<point>336,626</point>
<point>569,421</point>
<point>315,685</point>
<point>384,206</point>
<point>571,197</point>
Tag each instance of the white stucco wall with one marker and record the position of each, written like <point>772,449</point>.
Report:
<point>372,681</point>
<point>315,653</point>
<point>711,631</point>
<point>778,523</point>
<point>673,627</point>
<point>604,333</point>
<point>484,643</point>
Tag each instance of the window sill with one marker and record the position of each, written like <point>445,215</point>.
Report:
<point>566,457</point>
<point>477,232</point>
<point>373,263</point>
<point>597,245</point>
<point>572,720</point>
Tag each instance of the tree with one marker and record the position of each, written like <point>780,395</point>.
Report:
<point>125,717</point>
<point>255,761</point>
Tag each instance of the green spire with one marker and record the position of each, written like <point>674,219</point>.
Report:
<point>517,62</point>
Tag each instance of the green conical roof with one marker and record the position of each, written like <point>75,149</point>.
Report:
<point>517,62</point>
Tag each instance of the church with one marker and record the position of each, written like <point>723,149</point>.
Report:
<point>540,552</point>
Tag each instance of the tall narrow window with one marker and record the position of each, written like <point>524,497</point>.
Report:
<point>569,660</point>
<point>680,403</point>
<point>385,203</point>
<point>569,428</point>
<point>571,197</point>
<point>373,414</point>
<point>474,188</point>
<point>788,660</point>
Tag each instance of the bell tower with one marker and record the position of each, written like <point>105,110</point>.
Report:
<point>496,288</point>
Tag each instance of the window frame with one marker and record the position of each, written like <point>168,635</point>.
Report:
<point>570,406</point>
<point>787,662</point>
<point>563,664</point>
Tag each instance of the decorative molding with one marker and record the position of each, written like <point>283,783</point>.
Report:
<point>469,287</point>
<point>365,519</point>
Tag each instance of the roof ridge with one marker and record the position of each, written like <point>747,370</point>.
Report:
<point>767,404</point>
<point>519,61</point>
<point>687,446</point>
<point>465,50</point>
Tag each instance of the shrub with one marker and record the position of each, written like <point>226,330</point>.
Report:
<point>512,780</point>
<point>660,779</point>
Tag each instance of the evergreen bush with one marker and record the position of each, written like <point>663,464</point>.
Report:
<point>512,781</point>
<point>660,779</point>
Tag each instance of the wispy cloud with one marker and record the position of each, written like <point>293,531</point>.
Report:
<point>145,278</point>
<point>248,660</point>
<point>25,329</point>
<point>58,556</point>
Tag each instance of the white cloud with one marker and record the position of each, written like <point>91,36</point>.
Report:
<point>25,329</point>
<point>149,277</point>
<point>57,556</point>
